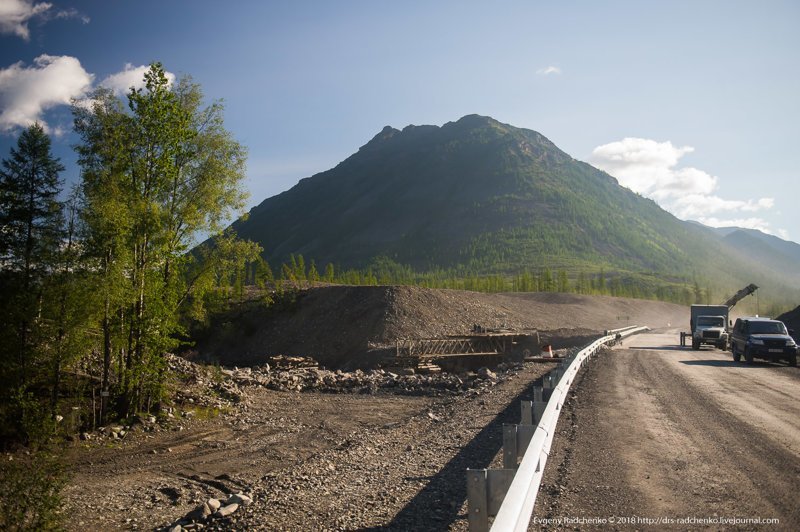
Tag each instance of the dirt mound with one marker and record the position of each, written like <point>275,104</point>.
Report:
<point>792,321</point>
<point>352,326</point>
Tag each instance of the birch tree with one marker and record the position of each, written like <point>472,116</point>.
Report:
<point>155,176</point>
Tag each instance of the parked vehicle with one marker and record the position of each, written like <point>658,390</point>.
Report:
<point>709,325</point>
<point>762,338</point>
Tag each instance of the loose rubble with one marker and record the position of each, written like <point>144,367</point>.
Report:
<point>201,387</point>
<point>212,509</point>
<point>299,374</point>
<point>372,381</point>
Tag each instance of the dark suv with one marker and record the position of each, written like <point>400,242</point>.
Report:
<point>762,338</point>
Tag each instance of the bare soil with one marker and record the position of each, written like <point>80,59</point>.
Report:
<point>357,326</point>
<point>321,461</point>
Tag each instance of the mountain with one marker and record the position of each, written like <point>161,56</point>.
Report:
<point>482,196</point>
<point>783,250</point>
<point>779,257</point>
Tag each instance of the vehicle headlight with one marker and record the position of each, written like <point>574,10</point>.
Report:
<point>756,341</point>
<point>790,343</point>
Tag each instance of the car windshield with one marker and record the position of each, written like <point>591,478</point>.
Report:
<point>711,321</point>
<point>767,327</point>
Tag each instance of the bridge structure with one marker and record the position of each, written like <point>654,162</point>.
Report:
<point>485,344</point>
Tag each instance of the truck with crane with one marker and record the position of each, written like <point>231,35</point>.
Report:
<point>710,324</point>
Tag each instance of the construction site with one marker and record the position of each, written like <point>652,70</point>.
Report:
<point>484,347</point>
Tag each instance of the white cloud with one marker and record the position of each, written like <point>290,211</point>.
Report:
<point>747,223</point>
<point>130,76</point>
<point>695,206</point>
<point>15,15</point>
<point>651,168</point>
<point>26,92</point>
<point>546,71</point>
<point>72,13</point>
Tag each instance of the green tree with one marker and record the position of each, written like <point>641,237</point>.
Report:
<point>313,274</point>
<point>30,231</point>
<point>563,281</point>
<point>72,301</point>
<point>548,284</point>
<point>154,177</point>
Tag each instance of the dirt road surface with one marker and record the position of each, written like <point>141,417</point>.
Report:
<point>655,433</point>
<point>311,461</point>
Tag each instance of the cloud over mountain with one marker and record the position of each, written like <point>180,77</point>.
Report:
<point>652,169</point>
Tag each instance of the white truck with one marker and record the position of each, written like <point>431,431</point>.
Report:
<point>709,325</point>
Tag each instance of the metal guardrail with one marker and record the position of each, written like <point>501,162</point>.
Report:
<point>510,493</point>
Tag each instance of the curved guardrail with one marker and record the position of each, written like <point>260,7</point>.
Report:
<point>510,493</point>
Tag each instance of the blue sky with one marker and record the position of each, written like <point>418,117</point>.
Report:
<point>692,103</point>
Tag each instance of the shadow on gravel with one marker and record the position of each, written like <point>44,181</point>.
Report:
<point>727,364</point>
<point>661,348</point>
<point>437,505</point>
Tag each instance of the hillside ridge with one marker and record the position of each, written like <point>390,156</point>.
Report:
<point>478,196</point>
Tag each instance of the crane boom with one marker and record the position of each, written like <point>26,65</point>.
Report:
<point>741,294</point>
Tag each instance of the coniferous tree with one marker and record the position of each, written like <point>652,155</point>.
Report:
<point>30,230</point>
<point>313,274</point>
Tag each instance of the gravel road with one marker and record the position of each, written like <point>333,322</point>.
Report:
<point>655,433</point>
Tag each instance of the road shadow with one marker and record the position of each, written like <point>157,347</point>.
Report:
<point>729,364</point>
<point>441,499</point>
<point>661,348</point>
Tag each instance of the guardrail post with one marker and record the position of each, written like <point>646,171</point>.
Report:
<point>539,404</point>
<point>547,386</point>
<point>486,489</point>
<point>477,500</point>
<point>509,446</point>
<point>538,411</point>
<point>526,407</point>
<point>538,394</point>
<point>515,440</point>
<point>524,436</point>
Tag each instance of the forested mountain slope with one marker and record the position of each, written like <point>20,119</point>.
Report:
<point>480,196</point>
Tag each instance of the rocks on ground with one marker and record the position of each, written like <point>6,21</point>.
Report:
<point>210,510</point>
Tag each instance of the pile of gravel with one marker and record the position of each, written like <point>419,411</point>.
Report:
<point>792,321</point>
